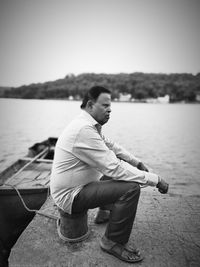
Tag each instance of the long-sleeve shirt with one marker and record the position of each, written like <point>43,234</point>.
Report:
<point>83,154</point>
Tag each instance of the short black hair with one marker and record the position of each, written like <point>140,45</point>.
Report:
<point>93,93</point>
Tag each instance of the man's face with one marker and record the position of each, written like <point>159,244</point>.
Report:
<point>101,108</point>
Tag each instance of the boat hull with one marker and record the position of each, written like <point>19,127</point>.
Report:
<point>14,216</point>
<point>27,179</point>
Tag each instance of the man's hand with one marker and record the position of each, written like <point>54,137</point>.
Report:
<point>162,186</point>
<point>142,167</point>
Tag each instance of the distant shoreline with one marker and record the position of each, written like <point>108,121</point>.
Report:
<point>113,101</point>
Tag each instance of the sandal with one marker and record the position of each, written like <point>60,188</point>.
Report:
<point>123,253</point>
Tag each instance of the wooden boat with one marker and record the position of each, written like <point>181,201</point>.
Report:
<point>24,183</point>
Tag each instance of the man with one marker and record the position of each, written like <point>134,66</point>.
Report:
<point>91,171</point>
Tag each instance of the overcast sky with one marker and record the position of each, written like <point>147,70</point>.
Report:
<point>44,40</point>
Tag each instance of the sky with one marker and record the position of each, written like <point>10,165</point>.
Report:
<point>45,40</point>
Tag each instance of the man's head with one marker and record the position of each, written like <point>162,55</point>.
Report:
<point>97,102</point>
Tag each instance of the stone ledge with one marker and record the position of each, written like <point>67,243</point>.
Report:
<point>166,229</point>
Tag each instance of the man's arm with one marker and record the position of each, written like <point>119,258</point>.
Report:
<point>91,149</point>
<point>123,154</point>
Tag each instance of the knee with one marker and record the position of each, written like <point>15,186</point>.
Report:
<point>132,193</point>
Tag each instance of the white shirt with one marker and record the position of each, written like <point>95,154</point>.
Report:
<point>83,155</point>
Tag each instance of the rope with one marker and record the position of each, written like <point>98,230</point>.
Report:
<point>33,210</point>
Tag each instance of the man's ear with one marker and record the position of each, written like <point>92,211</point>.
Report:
<point>90,104</point>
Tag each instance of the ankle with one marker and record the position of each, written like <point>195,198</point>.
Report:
<point>106,243</point>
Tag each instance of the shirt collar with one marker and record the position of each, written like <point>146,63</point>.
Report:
<point>89,118</point>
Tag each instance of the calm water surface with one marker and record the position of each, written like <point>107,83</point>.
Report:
<point>165,136</point>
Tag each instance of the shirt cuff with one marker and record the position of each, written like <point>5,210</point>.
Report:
<point>152,178</point>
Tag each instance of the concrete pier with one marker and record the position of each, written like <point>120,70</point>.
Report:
<point>166,229</point>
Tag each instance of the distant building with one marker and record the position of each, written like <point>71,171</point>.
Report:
<point>124,97</point>
<point>198,96</point>
<point>163,99</point>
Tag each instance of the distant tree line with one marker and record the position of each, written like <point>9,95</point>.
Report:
<point>180,87</point>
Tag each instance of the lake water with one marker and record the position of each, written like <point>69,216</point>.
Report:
<point>165,136</point>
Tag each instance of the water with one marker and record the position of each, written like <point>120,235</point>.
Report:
<point>165,136</point>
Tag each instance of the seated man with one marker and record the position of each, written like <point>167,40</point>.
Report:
<point>90,171</point>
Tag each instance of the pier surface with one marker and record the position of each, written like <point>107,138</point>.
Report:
<point>166,229</point>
